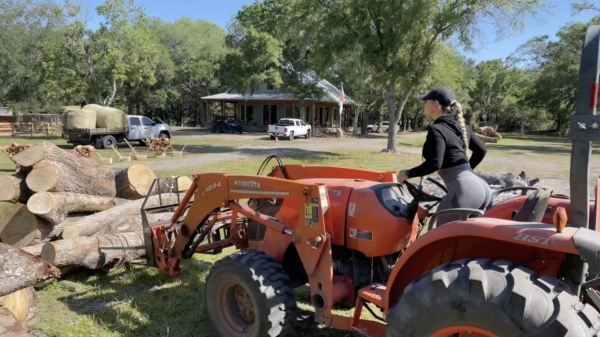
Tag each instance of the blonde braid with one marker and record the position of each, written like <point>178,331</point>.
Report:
<point>457,107</point>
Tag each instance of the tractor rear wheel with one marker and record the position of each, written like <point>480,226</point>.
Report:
<point>486,298</point>
<point>247,294</point>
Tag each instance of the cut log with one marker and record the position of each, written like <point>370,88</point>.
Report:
<point>98,252</point>
<point>19,270</point>
<point>134,182</point>
<point>23,305</point>
<point>55,207</point>
<point>133,223</point>
<point>18,226</point>
<point>34,250</point>
<point>95,223</point>
<point>57,230</point>
<point>487,139</point>
<point>44,228</point>
<point>9,326</point>
<point>57,170</point>
<point>13,188</point>
<point>167,185</point>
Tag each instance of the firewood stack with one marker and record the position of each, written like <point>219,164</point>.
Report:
<point>488,134</point>
<point>158,145</point>
<point>67,213</point>
<point>85,151</point>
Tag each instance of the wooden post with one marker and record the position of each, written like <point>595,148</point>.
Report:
<point>312,115</point>
<point>293,109</point>
<point>269,118</point>
<point>246,113</point>
<point>331,115</point>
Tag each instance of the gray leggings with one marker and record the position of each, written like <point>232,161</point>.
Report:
<point>465,190</point>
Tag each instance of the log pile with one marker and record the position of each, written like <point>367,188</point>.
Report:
<point>158,145</point>
<point>487,131</point>
<point>84,151</point>
<point>14,148</point>
<point>68,213</point>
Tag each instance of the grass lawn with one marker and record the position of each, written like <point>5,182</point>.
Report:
<point>140,301</point>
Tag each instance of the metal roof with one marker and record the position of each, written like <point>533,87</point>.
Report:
<point>330,93</point>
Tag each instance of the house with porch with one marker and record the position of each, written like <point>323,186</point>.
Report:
<point>267,104</point>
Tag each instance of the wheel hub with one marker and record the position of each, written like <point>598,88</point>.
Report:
<point>244,303</point>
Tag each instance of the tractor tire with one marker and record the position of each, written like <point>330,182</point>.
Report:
<point>258,299</point>
<point>489,298</point>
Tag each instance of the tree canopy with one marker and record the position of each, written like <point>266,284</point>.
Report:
<point>384,52</point>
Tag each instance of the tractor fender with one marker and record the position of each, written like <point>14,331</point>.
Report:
<point>587,243</point>
<point>536,245</point>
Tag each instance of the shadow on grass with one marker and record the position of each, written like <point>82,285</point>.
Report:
<point>141,301</point>
<point>541,148</point>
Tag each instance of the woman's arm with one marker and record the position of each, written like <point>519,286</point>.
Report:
<point>433,153</point>
<point>478,147</point>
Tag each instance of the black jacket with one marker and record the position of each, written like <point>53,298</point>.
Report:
<point>444,147</point>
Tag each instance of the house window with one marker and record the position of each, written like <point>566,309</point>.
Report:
<point>270,86</point>
<point>288,111</point>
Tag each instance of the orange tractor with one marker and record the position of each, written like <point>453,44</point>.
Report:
<point>351,235</point>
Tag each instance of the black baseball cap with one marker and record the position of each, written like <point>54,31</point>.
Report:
<point>444,96</point>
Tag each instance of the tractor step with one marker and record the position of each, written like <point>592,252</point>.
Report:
<point>374,293</point>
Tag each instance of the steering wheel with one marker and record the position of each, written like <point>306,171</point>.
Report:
<point>420,195</point>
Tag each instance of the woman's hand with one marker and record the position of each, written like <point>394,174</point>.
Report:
<point>402,177</point>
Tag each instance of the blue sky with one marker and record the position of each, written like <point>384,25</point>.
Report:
<point>221,11</point>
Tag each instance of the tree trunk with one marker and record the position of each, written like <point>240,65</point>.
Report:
<point>10,326</point>
<point>14,188</point>
<point>13,273</point>
<point>18,226</point>
<point>394,116</point>
<point>95,223</point>
<point>24,306</point>
<point>364,123</point>
<point>57,170</point>
<point>55,207</point>
<point>134,182</point>
<point>99,252</point>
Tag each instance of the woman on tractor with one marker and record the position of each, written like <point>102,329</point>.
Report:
<point>445,151</point>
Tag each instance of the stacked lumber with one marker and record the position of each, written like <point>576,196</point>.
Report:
<point>68,213</point>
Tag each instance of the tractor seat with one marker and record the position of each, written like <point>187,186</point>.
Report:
<point>534,207</point>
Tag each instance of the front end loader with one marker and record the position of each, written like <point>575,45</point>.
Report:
<point>352,240</point>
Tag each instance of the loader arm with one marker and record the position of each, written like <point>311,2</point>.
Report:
<point>175,241</point>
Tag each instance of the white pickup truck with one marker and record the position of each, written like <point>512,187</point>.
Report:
<point>289,128</point>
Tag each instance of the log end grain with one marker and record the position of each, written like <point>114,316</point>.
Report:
<point>23,305</point>
<point>18,226</point>
<point>42,178</point>
<point>7,189</point>
<point>41,203</point>
<point>134,182</point>
<point>30,156</point>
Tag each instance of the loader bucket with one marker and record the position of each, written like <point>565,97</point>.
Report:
<point>156,190</point>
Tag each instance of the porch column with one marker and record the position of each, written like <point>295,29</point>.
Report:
<point>331,109</point>
<point>222,108</point>
<point>293,109</point>
<point>312,115</point>
<point>246,113</point>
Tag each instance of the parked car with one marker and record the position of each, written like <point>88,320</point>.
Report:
<point>385,125</point>
<point>290,128</point>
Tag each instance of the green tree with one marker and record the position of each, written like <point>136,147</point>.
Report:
<point>399,39</point>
